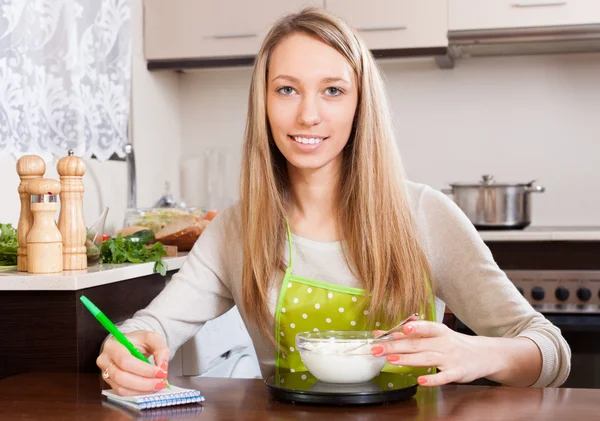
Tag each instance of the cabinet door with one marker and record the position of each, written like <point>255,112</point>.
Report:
<point>391,24</point>
<point>194,29</point>
<point>496,14</point>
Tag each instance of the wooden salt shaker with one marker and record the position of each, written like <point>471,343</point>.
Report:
<point>44,242</point>
<point>71,222</point>
<point>29,167</point>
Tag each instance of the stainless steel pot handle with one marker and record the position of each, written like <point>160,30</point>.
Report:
<point>535,189</point>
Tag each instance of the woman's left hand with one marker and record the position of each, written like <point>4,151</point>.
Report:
<point>460,358</point>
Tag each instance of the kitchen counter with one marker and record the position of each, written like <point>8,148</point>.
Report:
<point>539,233</point>
<point>74,397</point>
<point>76,280</point>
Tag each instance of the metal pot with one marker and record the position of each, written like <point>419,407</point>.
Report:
<point>490,205</point>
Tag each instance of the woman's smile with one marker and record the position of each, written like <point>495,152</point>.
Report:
<point>307,142</point>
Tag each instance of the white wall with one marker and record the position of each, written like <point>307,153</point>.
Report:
<point>156,137</point>
<point>102,181</point>
<point>213,116</point>
<point>519,118</point>
<point>156,122</point>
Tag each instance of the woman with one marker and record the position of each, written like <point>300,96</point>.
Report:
<point>326,219</point>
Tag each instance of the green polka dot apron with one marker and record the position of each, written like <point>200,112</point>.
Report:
<point>310,305</point>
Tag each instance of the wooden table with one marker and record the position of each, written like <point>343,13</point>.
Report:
<point>69,396</point>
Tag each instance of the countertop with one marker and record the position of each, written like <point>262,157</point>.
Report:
<point>108,273</point>
<point>100,274</point>
<point>540,233</point>
<point>66,396</point>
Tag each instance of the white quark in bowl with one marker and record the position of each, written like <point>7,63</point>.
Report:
<point>336,356</point>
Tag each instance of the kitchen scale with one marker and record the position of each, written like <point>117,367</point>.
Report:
<point>304,388</point>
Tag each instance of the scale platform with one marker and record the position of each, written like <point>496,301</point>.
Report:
<point>303,388</point>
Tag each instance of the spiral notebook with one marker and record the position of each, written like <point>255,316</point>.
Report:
<point>165,397</point>
<point>157,414</point>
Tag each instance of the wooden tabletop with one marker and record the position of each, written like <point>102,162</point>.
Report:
<point>65,396</point>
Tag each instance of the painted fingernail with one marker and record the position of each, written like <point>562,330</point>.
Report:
<point>393,358</point>
<point>165,366</point>
<point>377,350</point>
<point>161,374</point>
<point>408,329</point>
<point>160,385</point>
<point>422,380</point>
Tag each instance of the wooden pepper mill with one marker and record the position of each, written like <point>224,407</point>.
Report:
<point>44,242</point>
<point>71,222</point>
<point>29,167</point>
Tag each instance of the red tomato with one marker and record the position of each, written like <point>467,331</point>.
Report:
<point>210,215</point>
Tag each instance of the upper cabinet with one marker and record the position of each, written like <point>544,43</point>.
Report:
<point>504,14</point>
<point>200,33</point>
<point>396,24</point>
<point>196,29</point>
<point>181,34</point>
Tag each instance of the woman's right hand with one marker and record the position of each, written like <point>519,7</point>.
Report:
<point>128,375</point>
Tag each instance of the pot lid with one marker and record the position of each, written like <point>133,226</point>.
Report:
<point>488,180</point>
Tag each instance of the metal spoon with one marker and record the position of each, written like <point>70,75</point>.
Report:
<point>396,328</point>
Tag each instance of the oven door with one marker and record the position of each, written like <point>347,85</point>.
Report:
<point>582,333</point>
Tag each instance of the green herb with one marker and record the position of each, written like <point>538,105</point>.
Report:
<point>8,245</point>
<point>160,267</point>
<point>121,250</point>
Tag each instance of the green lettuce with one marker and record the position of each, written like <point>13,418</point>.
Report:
<point>8,245</point>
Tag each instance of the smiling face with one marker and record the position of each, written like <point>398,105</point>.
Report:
<point>311,102</point>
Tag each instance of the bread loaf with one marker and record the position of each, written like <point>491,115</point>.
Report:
<point>182,232</point>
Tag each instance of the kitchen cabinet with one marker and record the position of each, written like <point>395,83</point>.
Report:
<point>50,330</point>
<point>396,24</point>
<point>504,14</point>
<point>45,325</point>
<point>200,29</point>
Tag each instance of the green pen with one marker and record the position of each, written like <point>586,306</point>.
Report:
<point>112,329</point>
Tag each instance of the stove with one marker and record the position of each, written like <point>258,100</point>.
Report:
<point>557,269</point>
<point>559,291</point>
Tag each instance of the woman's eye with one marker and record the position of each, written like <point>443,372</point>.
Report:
<point>331,91</point>
<point>286,90</point>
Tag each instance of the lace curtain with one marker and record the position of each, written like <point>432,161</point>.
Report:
<point>65,77</point>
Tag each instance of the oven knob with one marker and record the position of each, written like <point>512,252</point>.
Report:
<point>562,294</point>
<point>538,293</point>
<point>584,294</point>
<point>520,290</point>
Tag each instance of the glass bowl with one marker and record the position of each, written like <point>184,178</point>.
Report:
<point>158,218</point>
<point>340,356</point>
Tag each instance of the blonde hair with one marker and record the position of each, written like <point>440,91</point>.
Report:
<point>381,244</point>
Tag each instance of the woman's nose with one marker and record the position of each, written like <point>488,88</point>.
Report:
<point>308,113</point>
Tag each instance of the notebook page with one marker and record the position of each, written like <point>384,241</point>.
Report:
<point>162,414</point>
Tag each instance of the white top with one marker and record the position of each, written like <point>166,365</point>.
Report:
<point>463,269</point>
<point>93,276</point>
